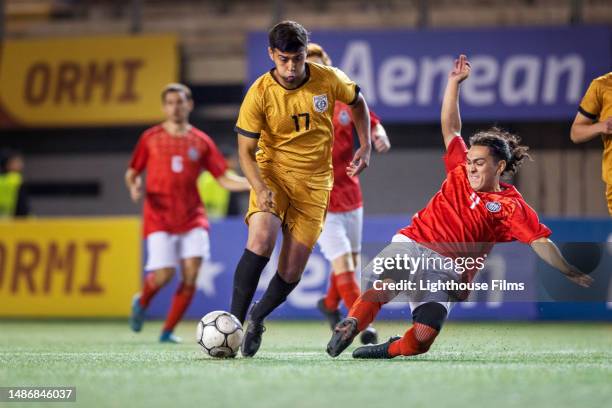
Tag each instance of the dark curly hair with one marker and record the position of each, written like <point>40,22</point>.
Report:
<point>503,145</point>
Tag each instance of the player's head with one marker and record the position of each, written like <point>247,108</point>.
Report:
<point>11,161</point>
<point>177,102</point>
<point>317,54</point>
<point>288,41</point>
<point>493,153</point>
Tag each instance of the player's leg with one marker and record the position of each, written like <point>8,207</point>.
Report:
<point>194,248</point>
<point>302,226</point>
<point>181,299</point>
<point>336,247</point>
<point>161,265</point>
<point>354,227</point>
<point>292,261</point>
<point>263,230</point>
<point>360,316</point>
<point>362,313</point>
<point>427,318</point>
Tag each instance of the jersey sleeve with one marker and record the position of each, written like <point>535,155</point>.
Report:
<point>251,118</point>
<point>456,154</point>
<point>374,120</point>
<point>140,154</point>
<point>524,224</point>
<point>590,106</point>
<point>346,90</point>
<point>213,161</point>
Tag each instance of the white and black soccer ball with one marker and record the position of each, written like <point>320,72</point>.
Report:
<point>220,334</point>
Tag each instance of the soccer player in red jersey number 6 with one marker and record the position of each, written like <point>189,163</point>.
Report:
<point>340,240</point>
<point>472,206</point>
<point>174,154</point>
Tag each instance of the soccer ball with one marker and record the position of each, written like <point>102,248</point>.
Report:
<point>220,334</point>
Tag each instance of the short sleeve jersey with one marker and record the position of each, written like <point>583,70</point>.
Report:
<point>173,164</point>
<point>597,105</point>
<point>458,214</point>
<point>346,194</point>
<point>294,126</point>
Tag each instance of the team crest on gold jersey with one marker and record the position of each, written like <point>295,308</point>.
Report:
<point>320,103</point>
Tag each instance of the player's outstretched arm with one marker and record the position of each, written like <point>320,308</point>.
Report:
<point>583,128</point>
<point>361,119</point>
<point>450,117</point>
<point>233,182</point>
<point>380,140</point>
<point>548,252</point>
<point>247,146</point>
<point>133,181</point>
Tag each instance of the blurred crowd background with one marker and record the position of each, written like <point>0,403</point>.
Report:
<point>75,168</point>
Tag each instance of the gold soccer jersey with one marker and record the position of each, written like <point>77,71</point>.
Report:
<point>294,126</point>
<point>295,132</point>
<point>597,105</point>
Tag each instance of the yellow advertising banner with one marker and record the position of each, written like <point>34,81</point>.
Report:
<point>69,267</point>
<point>93,81</point>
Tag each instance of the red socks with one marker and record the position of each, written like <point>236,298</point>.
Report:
<point>347,287</point>
<point>180,303</point>
<point>332,297</point>
<point>341,286</point>
<point>149,289</point>
<point>416,340</point>
<point>367,306</point>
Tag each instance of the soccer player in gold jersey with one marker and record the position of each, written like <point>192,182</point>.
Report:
<point>594,118</point>
<point>285,137</point>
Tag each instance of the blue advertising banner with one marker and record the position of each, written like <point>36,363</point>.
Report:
<point>229,236</point>
<point>517,73</point>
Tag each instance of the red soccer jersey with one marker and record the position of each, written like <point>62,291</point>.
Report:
<point>458,214</point>
<point>173,164</point>
<point>346,193</point>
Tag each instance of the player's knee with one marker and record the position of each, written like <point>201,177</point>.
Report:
<point>291,275</point>
<point>163,276</point>
<point>190,278</point>
<point>430,314</point>
<point>261,243</point>
<point>343,263</point>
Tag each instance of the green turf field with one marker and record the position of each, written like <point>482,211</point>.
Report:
<point>490,365</point>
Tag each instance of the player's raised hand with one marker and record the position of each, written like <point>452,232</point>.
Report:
<point>578,277</point>
<point>461,69</point>
<point>360,161</point>
<point>265,200</point>
<point>136,189</point>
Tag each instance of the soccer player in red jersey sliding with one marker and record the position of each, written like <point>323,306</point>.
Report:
<point>174,154</point>
<point>472,206</point>
<point>340,240</point>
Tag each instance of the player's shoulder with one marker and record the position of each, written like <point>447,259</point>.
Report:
<point>604,81</point>
<point>262,83</point>
<point>152,131</point>
<point>200,135</point>
<point>324,71</point>
<point>513,199</point>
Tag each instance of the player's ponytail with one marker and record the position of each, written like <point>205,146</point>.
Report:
<point>503,146</point>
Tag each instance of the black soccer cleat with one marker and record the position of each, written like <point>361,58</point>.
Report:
<point>375,351</point>
<point>369,336</point>
<point>342,337</point>
<point>252,338</point>
<point>332,316</point>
